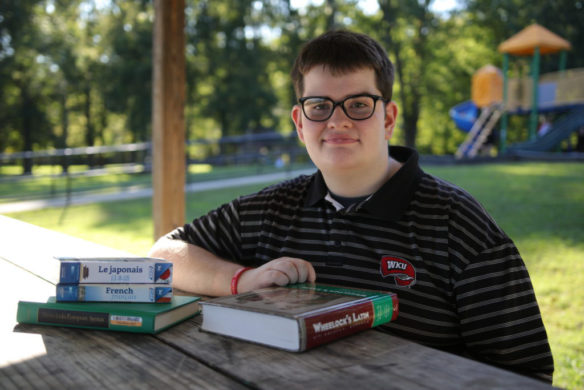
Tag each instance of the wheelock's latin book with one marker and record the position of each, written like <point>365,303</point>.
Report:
<point>126,317</point>
<point>114,292</point>
<point>298,317</point>
<point>75,270</point>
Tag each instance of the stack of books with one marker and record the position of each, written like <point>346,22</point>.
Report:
<point>131,294</point>
<point>140,279</point>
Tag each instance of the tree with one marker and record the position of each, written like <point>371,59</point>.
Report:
<point>228,65</point>
<point>406,27</point>
<point>24,79</point>
<point>125,72</point>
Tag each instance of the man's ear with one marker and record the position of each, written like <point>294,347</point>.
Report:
<point>296,115</point>
<point>390,119</point>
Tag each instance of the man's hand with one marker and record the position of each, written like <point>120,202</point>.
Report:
<point>279,272</point>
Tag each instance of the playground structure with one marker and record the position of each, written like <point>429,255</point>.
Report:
<point>495,96</point>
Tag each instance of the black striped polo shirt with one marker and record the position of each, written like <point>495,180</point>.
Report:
<point>461,283</point>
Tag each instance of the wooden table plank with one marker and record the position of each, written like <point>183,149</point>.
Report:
<point>78,358</point>
<point>46,357</point>
<point>18,284</point>
<point>32,247</point>
<point>371,360</point>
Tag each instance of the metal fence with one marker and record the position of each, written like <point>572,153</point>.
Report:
<point>63,168</point>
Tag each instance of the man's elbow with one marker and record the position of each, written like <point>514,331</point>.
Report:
<point>167,248</point>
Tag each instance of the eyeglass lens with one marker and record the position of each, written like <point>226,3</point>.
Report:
<point>356,107</point>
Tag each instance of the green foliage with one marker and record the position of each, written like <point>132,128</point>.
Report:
<point>25,82</point>
<point>227,65</point>
<point>125,67</point>
<point>78,72</point>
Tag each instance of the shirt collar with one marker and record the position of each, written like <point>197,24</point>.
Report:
<point>391,200</point>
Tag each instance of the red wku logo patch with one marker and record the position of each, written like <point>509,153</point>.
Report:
<point>401,270</point>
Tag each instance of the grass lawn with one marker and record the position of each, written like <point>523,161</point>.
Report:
<point>48,181</point>
<point>540,205</point>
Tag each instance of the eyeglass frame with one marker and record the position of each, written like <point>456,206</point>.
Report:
<point>341,103</point>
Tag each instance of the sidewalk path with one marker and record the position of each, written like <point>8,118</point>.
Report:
<point>140,192</point>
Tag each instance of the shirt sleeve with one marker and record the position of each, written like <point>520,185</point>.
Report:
<point>217,232</point>
<point>499,316</point>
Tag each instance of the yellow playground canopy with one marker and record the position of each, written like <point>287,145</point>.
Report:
<point>524,42</point>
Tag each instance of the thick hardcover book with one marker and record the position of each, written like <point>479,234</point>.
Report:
<point>298,317</point>
<point>114,292</point>
<point>126,317</point>
<point>114,270</point>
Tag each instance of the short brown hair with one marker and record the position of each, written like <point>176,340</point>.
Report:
<point>343,51</point>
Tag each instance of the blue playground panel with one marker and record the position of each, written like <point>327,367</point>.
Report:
<point>464,115</point>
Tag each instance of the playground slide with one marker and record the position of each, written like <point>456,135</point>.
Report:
<point>561,129</point>
<point>464,115</point>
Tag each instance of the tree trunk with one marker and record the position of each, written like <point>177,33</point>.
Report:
<point>409,97</point>
<point>410,78</point>
<point>27,130</point>
<point>65,131</point>
<point>89,129</point>
<point>331,9</point>
<point>411,117</point>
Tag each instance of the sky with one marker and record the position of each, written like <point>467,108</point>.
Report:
<point>371,6</point>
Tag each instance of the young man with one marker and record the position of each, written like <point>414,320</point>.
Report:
<point>371,218</point>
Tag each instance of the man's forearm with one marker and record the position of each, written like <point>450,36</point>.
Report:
<point>195,269</point>
<point>198,271</point>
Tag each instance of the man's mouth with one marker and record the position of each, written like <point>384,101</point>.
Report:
<point>339,140</point>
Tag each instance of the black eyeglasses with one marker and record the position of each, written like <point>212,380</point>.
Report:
<point>356,107</point>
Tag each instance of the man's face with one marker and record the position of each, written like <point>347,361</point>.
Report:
<point>341,144</point>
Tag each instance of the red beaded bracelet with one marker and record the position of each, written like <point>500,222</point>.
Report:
<point>236,277</point>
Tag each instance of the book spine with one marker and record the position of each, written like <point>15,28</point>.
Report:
<point>43,314</point>
<point>151,293</point>
<point>386,309</point>
<point>326,327</point>
<point>72,272</point>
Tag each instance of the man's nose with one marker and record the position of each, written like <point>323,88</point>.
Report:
<point>338,118</point>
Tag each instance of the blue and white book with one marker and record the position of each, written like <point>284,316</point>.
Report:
<point>114,292</point>
<point>75,270</point>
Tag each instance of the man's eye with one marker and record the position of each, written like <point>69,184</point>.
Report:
<point>318,105</point>
<point>359,103</point>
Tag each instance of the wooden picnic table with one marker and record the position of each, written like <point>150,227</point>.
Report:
<point>183,357</point>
